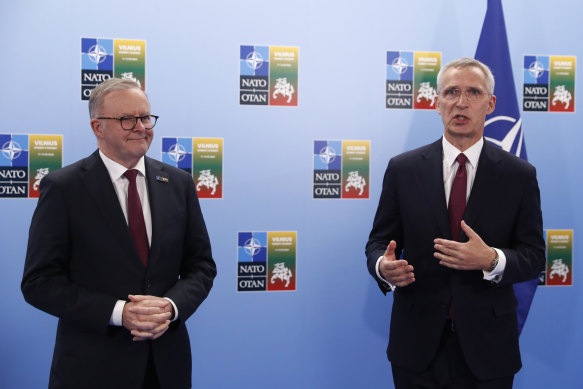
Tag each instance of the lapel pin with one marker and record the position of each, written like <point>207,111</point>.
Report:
<point>162,179</point>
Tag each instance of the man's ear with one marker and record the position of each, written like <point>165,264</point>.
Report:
<point>97,127</point>
<point>491,104</point>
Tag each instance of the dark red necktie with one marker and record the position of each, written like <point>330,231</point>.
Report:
<point>457,207</point>
<point>457,197</point>
<point>136,217</point>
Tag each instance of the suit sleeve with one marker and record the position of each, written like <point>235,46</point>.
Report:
<point>525,257</point>
<point>387,225</point>
<point>46,282</point>
<point>197,268</point>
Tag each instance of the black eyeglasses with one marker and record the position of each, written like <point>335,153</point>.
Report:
<point>128,123</point>
<point>472,94</point>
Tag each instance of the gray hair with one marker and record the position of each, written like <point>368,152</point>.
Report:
<point>110,85</point>
<point>464,63</point>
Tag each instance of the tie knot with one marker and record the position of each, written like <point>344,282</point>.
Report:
<point>132,173</point>
<point>461,159</point>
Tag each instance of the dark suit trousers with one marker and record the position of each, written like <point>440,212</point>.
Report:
<point>448,371</point>
<point>151,377</point>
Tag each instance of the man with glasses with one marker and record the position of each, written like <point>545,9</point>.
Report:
<point>458,222</point>
<point>119,252</point>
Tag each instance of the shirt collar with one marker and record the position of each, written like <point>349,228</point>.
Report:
<point>117,170</point>
<point>450,152</point>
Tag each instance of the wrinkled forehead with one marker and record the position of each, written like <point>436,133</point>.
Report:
<point>464,77</point>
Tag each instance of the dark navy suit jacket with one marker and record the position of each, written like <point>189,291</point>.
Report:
<point>81,259</point>
<point>504,210</point>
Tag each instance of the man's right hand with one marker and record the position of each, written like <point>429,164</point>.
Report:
<point>146,317</point>
<point>397,272</point>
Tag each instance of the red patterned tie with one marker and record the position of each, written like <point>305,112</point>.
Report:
<point>136,217</point>
<point>457,197</point>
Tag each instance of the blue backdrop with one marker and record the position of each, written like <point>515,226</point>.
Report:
<point>332,332</point>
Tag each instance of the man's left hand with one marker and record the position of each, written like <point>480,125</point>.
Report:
<point>147,317</point>
<point>471,255</point>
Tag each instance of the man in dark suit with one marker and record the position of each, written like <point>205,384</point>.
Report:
<point>450,237</point>
<point>121,258</point>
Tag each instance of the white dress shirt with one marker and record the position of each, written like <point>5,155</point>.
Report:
<point>450,166</point>
<point>121,184</point>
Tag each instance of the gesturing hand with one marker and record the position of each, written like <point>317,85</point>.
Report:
<point>398,272</point>
<point>471,255</point>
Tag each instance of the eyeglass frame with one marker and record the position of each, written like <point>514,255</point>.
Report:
<point>156,117</point>
<point>473,98</point>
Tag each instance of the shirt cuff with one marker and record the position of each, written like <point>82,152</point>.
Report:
<point>391,286</point>
<point>175,309</point>
<point>496,274</point>
<point>117,314</point>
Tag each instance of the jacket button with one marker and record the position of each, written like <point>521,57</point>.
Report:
<point>148,284</point>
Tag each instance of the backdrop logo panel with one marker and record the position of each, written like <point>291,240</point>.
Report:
<point>559,268</point>
<point>268,75</point>
<point>327,169</point>
<point>549,83</point>
<point>103,58</point>
<point>25,160</point>
<point>412,79</point>
<point>427,66</point>
<point>341,169</point>
<point>266,261</point>
<point>200,157</point>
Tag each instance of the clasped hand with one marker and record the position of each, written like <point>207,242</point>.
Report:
<point>147,317</point>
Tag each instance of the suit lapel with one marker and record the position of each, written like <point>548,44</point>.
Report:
<point>484,186</point>
<point>99,187</point>
<point>158,187</point>
<point>431,173</point>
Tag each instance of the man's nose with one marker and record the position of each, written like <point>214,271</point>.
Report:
<point>139,125</point>
<point>462,99</point>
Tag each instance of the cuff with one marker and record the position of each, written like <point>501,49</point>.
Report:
<point>116,318</point>
<point>391,286</point>
<point>496,274</point>
<point>175,309</point>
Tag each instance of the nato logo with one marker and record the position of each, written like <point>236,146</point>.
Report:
<point>14,150</point>
<point>252,261</point>
<point>177,152</point>
<point>14,165</point>
<point>536,69</point>
<point>254,60</point>
<point>399,83</point>
<point>536,83</point>
<point>327,169</point>
<point>327,155</point>
<point>96,64</point>
<point>254,75</point>
<point>96,54</point>
<point>400,65</point>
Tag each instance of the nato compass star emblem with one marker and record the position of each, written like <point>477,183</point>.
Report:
<point>513,140</point>
<point>399,65</point>
<point>254,60</point>
<point>327,155</point>
<point>97,54</point>
<point>11,150</point>
<point>536,69</point>
<point>252,246</point>
<point>177,152</point>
